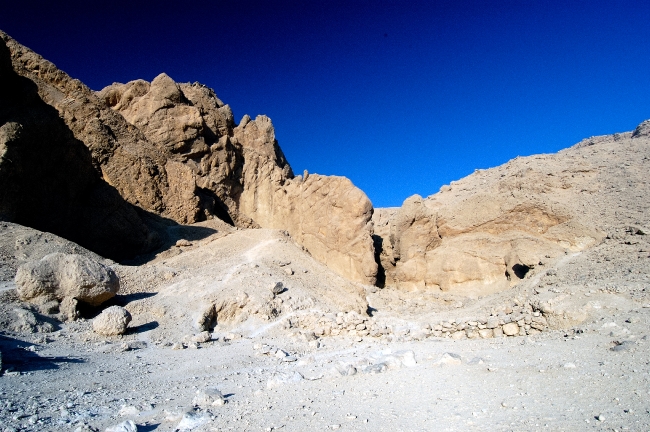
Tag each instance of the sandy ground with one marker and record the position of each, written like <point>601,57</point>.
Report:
<point>592,375</point>
<point>570,380</point>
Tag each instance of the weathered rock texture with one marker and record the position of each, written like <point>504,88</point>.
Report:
<point>240,174</point>
<point>489,230</point>
<point>174,150</point>
<point>61,276</point>
<point>328,215</point>
<point>47,179</point>
<point>112,321</point>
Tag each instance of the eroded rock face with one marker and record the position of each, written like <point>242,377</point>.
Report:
<point>61,276</point>
<point>327,215</point>
<point>47,177</point>
<point>242,172</point>
<point>490,230</point>
<point>120,153</point>
<point>173,150</point>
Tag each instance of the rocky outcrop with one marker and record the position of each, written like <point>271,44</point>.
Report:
<point>490,230</point>
<point>173,150</point>
<point>120,153</point>
<point>191,127</point>
<point>327,215</point>
<point>241,172</point>
<point>47,179</point>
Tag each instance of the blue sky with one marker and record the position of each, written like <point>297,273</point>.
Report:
<point>401,97</point>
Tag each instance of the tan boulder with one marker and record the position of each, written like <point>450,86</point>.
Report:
<point>61,276</point>
<point>112,321</point>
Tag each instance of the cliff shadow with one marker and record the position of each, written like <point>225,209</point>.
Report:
<point>18,355</point>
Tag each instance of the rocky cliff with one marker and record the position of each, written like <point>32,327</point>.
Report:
<point>174,150</point>
<point>487,231</point>
<point>47,179</point>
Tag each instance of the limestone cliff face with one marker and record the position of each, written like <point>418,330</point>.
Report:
<point>174,150</point>
<point>47,178</point>
<point>246,173</point>
<point>486,232</point>
<point>328,215</point>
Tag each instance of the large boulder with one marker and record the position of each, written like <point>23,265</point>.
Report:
<point>59,276</point>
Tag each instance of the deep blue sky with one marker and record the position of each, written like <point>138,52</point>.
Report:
<point>401,97</point>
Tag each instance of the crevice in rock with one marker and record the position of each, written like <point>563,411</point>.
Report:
<point>378,242</point>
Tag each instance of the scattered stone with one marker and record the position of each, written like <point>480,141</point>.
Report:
<point>112,321</point>
<point>448,359</point>
<point>128,411</point>
<point>24,321</point>
<point>622,346</point>
<point>203,337</point>
<point>177,346</point>
<point>510,329</point>
<point>569,365</point>
<point>133,345</point>
<point>183,243</point>
<point>282,378</point>
<point>125,426</point>
<point>208,397</point>
<point>346,369</point>
<point>277,288</point>
<point>192,420</point>
<point>407,358</point>
<point>86,428</point>
<point>288,270</point>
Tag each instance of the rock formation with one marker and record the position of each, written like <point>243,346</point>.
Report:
<point>240,174</point>
<point>173,150</point>
<point>328,215</point>
<point>47,179</point>
<point>487,231</point>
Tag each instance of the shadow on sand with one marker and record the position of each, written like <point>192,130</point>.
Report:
<point>16,355</point>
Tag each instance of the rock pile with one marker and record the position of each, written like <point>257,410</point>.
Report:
<point>523,320</point>
<point>520,323</point>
